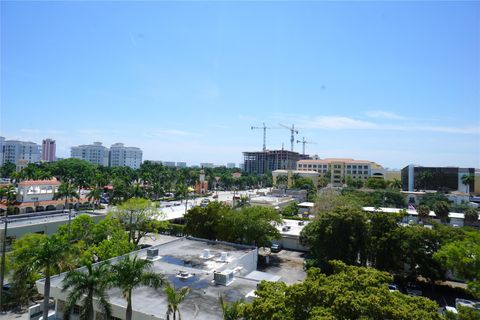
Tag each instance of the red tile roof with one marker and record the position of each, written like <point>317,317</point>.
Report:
<point>52,181</point>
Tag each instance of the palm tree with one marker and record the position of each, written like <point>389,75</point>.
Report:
<point>131,273</point>
<point>67,191</point>
<point>90,284</point>
<point>174,298</point>
<point>10,195</point>
<point>95,195</point>
<point>396,184</point>
<point>231,311</point>
<point>49,258</point>
<point>468,179</point>
<point>282,180</point>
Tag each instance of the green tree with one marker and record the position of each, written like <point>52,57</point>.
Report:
<point>49,258</point>
<point>471,215</point>
<point>68,191</point>
<point>203,222</point>
<point>376,183</point>
<point>442,209</point>
<point>23,273</point>
<point>251,225</point>
<point>86,285</point>
<point>349,293</point>
<point>423,212</point>
<point>7,169</point>
<point>137,215</point>
<point>130,273</point>
<point>174,298</point>
<point>337,235</point>
<point>281,181</point>
<point>396,184</point>
<point>231,311</point>
<point>304,183</point>
<point>463,258</point>
<point>290,210</point>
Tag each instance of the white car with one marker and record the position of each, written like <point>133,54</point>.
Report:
<point>467,303</point>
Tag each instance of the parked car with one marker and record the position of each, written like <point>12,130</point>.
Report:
<point>392,287</point>
<point>204,203</point>
<point>467,303</point>
<point>448,309</point>
<point>276,247</point>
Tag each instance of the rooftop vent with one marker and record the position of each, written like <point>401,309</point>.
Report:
<point>183,275</point>
<point>223,278</point>
<point>206,254</point>
<point>152,254</point>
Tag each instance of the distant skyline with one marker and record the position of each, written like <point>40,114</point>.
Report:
<point>391,82</point>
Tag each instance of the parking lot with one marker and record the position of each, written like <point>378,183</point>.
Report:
<point>286,264</point>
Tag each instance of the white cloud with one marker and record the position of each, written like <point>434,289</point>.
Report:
<point>380,114</point>
<point>336,122</point>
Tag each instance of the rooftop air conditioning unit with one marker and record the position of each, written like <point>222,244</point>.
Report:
<point>223,278</point>
<point>224,256</point>
<point>152,254</point>
<point>206,254</point>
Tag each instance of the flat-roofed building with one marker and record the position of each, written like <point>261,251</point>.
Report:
<point>446,179</point>
<point>122,156</point>
<point>15,150</point>
<point>94,153</point>
<point>181,164</point>
<point>338,169</point>
<point>210,269</point>
<point>313,175</point>
<point>48,150</point>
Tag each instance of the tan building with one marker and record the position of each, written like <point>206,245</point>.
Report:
<point>338,169</point>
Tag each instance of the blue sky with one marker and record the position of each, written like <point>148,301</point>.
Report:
<point>392,82</point>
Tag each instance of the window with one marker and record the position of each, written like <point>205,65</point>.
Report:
<point>76,309</point>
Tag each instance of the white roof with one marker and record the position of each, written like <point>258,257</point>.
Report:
<point>306,204</point>
<point>455,215</point>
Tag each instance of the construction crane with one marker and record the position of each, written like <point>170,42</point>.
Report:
<point>303,142</point>
<point>264,128</point>
<point>293,132</point>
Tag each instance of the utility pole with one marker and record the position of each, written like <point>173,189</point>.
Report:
<point>293,132</point>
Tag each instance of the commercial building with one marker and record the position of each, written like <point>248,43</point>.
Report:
<point>338,169</point>
<point>207,165</point>
<point>121,156</point>
<point>169,164</point>
<point>261,162</point>
<point>445,179</point>
<point>15,150</point>
<point>94,153</point>
<point>48,150</point>
<point>231,165</point>
<point>210,269</point>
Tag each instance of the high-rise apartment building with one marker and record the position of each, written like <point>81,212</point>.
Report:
<point>121,156</point>
<point>14,150</point>
<point>94,153</point>
<point>48,150</point>
<point>181,164</point>
<point>2,144</point>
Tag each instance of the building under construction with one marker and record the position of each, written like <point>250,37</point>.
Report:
<point>261,162</point>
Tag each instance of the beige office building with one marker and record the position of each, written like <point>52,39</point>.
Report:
<point>338,169</point>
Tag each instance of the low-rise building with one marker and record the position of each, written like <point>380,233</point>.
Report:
<point>271,201</point>
<point>445,179</point>
<point>210,269</point>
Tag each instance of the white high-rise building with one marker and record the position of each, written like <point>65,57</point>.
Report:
<point>14,150</point>
<point>94,153</point>
<point>121,156</point>
<point>2,144</point>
